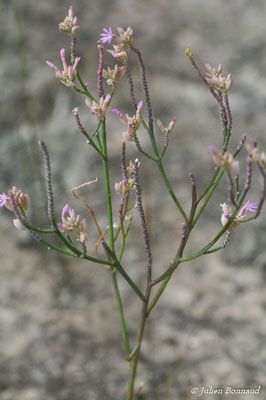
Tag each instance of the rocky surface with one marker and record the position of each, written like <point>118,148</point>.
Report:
<point>59,327</point>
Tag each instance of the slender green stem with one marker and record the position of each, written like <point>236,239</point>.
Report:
<point>133,352</point>
<point>85,88</point>
<point>96,260</point>
<point>163,151</point>
<point>91,142</point>
<point>138,145</point>
<point>209,194</point>
<point>124,236</point>
<point>160,291</point>
<point>107,188</point>
<point>214,250</point>
<point>206,250</point>
<point>121,312</point>
<point>170,190</point>
<point>186,230</point>
<point>99,142</point>
<point>135,357</point>
<point>80,91</point>
<point>64,240</point>
<point>33,228</point>
<point>146,154</point>
<point>226,140</point>
<point>158,161</point>
<point>75,250</point>
<point>51,246</point>
<point>210,184</point>
<point>122,272</point>
<point>96,130</point>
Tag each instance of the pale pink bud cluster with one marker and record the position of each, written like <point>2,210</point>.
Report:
<point>128,219</point>
<point>69,25</point>
<point>130,168</point>
<point>216,79</point>
<point>125,36</point>
<point>241,214</point>
<point>225,159</point>
<point>119,53</point>
<point>71,223</point>
<point>124,40</point>
<point>132,123</point>
<point>124,186</point>
<point>166,130</point>
<point>256,155</point>
<point>22,200</point>
<point>99,109</point>
<point>69,73</point>
<point>112,75</point>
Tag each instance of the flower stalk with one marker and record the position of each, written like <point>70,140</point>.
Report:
<point>75,232</point>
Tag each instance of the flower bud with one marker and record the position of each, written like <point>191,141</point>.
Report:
<point>19,225</point>
<point>262,160</point>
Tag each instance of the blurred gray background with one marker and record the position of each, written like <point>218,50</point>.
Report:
<point>59,327</point>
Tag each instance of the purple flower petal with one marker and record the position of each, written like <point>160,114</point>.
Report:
<point>107,36</point>
<point>252,207</point>
<point>3,199</point>
<point>140,105</point>
<point>65,209</point>
<point>51,65</point>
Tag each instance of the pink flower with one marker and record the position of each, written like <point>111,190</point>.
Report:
<point>125,37</point>
<point>225,159</point>
<point>3,199</point>
<point>241,214</point>
<point>119,55</point>
<point>69,25</point>
<point>132,123</point>
<point>227,211</point>
<point>99,109</point>
<point>23,200</point>
<point>216,79</point>
<point>256,155</point>
<point>69,73</point>
<point>107,36</point>
<point>170,127</point>
<point>112,75</point>
<point>252,207</point>
<point>71,224</point>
